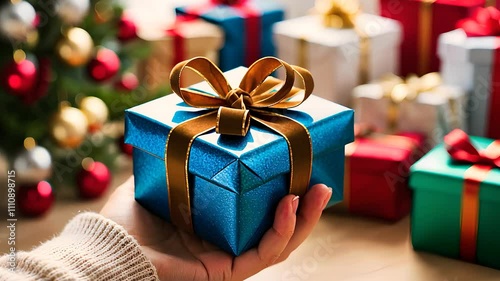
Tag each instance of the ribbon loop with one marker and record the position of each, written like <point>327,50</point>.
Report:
<point>461,149</point>
<point>232,121</point>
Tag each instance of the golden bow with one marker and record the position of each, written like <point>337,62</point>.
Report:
<point>338,15</point>
<point>232,110</point>
<point>399,90</point>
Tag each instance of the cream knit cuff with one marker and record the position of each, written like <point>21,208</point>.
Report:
<point>91,247</point>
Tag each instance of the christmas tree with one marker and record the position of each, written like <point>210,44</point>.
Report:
<point>66,74</point>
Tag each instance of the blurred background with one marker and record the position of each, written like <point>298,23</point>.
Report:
<point>69,69</point>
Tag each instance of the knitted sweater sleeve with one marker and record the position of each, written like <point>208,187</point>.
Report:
<point>90,247</point>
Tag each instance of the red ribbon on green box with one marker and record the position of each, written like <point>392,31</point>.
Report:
<point>461,150</point>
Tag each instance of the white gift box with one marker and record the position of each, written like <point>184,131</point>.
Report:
<point>433,113</point>
<point>468,62</point>
<point>369,6</point>
<point>333,55</point>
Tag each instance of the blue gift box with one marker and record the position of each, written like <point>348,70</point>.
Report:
<point>235,182</point>
<point>233,52</point>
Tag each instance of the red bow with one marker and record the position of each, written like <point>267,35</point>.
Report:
<point>461,149</point>
<point>483,22</point>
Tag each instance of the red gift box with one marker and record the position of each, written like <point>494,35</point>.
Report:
<point>376,174</point>
<point>423,21</point>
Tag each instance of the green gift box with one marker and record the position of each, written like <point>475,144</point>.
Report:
<point>456,205</point>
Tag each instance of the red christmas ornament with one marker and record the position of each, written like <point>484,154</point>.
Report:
<point>104,66</point>
<point>93,180</point>
<point>19,78</point>
<point>35,199</point>
<point>41,86</point>
<point>127,29</point>
<point>125,148</point>
<point>127,83</point>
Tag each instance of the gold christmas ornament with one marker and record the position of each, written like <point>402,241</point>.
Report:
<point>96,112</point>
<point>69,127</point>
<point>76,47</point>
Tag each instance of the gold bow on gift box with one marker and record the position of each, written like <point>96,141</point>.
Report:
<point>398,90</point>
<point>335,14</point>
<point>230,112</point>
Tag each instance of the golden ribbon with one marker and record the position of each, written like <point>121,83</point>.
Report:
<point>425,35</point>
<point>230,113</point>
<point>398,90</point>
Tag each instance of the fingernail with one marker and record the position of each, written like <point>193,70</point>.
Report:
<point>327,197</point>
<point>295,204</point>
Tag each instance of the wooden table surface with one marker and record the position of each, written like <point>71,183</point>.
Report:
<point>341,248</point>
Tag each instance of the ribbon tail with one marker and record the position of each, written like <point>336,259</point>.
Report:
<point>177,151</point>
<point>299,147</point>
<point>425,36</point>
<point>469,220</point>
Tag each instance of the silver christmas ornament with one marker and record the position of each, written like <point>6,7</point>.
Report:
<point>33,165</point>
<point>72,11</point>
<point>17,20</point>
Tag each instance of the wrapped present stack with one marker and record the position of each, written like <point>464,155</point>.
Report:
<point>215,157</point>
<point>470,59</point>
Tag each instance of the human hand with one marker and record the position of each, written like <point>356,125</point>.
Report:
<point>178,255</point>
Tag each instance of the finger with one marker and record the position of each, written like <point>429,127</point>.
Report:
<point>311,207</point>
<point>122,196</point>
<point>127,185</point>
<point>273,242</point>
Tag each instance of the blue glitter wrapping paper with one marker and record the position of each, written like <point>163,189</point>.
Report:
<point>232,53</point>
<point>235,182</point>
